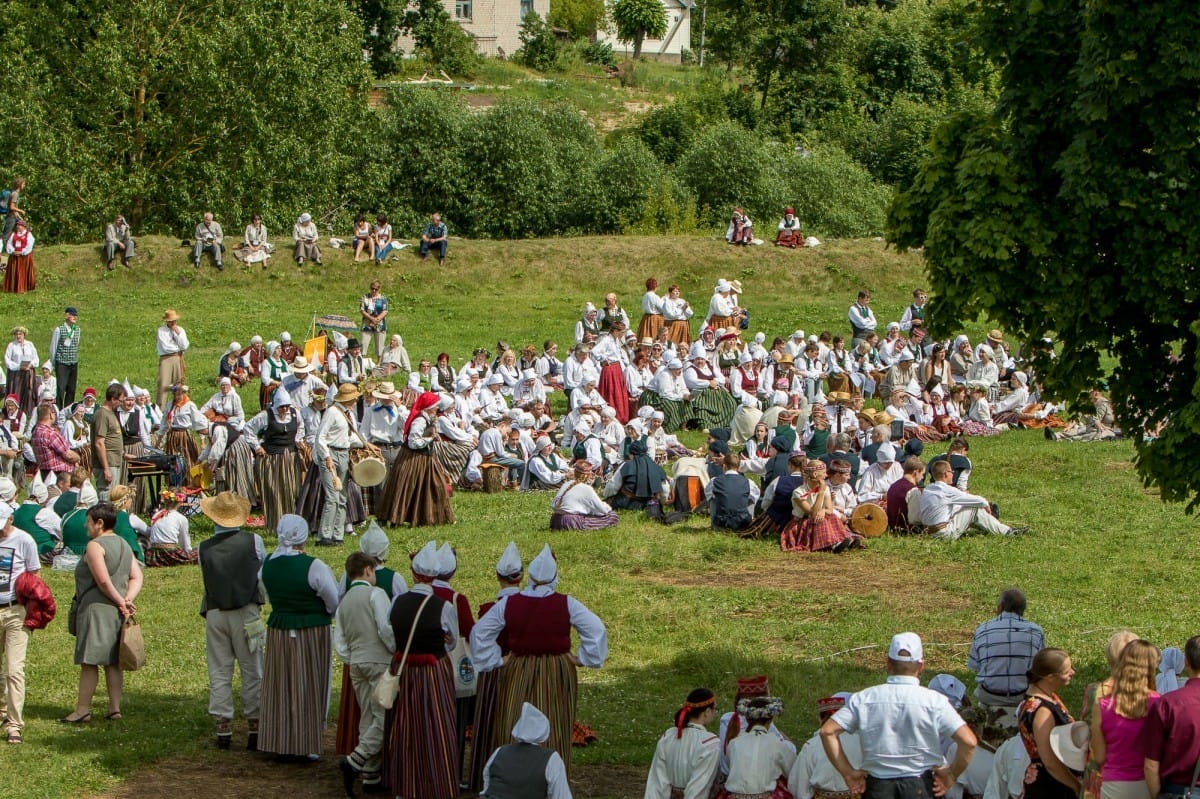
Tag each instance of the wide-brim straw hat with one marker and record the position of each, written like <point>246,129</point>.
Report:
<point>347,392</point>
<point>171,315</point>
<point>386,390</point>
<point>302,366</point>
<point>226,509</point>
<point>839,396</point>
<point>996,336</point>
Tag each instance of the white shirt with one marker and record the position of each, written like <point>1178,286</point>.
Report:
<point>861,317</point>
<point>674,310</point>
<point>555,774</point>
<point>652,303</point>
<point>1007,780</point>
<point>580,498</point>
<point>723,734</point>
<point>544,472</point>
<point>228,405</point>
<point>171,340</point>
<point>183,417</point>
<point>939,501</point>
<point>756,760</point>
<point>10,245</point>
<point>688,763</point>
<point>593,637</point>
<point>384,424</point>
<point>336,432</point>
<point>171,529</point>
<point>813,771</point>
<point>18,554</point>
<point>668,386</point>
<point>720,305</point>
<point>874,482</point>
<point>18,353</point>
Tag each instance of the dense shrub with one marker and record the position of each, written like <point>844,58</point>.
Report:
<point>728,166</point>
<point>625,177</point>
<point>892,147</point>
<point>834,195</point>
<point>539,47</point>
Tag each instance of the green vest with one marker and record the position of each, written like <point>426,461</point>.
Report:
<point>125,530</point>
<point>816,447</point>
<point>65,503</point>
<point>75,537</point>
<point>23,518</point>
<point>385,578</point>
<point>294,605</point>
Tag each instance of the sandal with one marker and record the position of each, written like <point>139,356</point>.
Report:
<point>113,716</point>
<point>84,719</point>
<point>14,737</point>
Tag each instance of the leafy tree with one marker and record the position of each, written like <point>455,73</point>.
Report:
<point>440,39</point>
<point>539,47</point>
<point>163,109</point>
<point>728,166</point>
<point>637,20</point>
<point>1070,210</point>
<point>580,18</point>
<point>382,23</point>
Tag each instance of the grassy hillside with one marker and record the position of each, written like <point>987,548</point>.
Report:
<point>684,606</point>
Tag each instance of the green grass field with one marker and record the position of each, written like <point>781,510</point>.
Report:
<point>684,606</point>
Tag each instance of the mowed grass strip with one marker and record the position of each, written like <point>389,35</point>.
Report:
<point>684,606</point>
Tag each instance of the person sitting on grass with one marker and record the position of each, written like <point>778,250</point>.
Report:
<point>576,505</point>
<point>948,512</point>
<point>523,767</point>
<point>170,544</point>
<point>305,235</point>
<point>638,483</point>
<point>789,230</point>
<point>364,245</point>
<point>758,757</point>
<point>731,496</point>
<point>741,229</point>
<point>814,525</point>
<point>435,237</point>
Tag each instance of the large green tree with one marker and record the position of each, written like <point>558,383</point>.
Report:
<point>1071,210</point>
<point>637,20</point>
<point>382,22</point>
<point>165,109</point>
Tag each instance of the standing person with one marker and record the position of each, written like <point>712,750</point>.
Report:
<point>231,606</point>
<point>20,275</point>
<point>108,443</point>
<point>305,235</point>
<point>652,312</point>
<point>274,434</point>
<point>107,580</point>
<point>421,736</point>
<point>336,436</point>
<point>526,767</point>
<point>913,318</point>
<point>64,354</point>
<point>171,345</point>
<point>1171,741</point>
<point>1097,690</point>
<point>50,447</point>
<point>416,491</point>
<point>296,674</point>
<point>687,755</point>
<point>435,237</point>
<point>862,319</point>
<point>363,638</point>
<point>18,556</point>
<point>1040,713</point>
<point>1117,727</point>
<point>210,238</point>
<point>13,212</point>
<point>118,239</point>
<point>1002,651</point>
<point>374,309</point>
<point>540,668</point>
<point>900,725</point>
<point>177,430</point>
<point>21,361</point>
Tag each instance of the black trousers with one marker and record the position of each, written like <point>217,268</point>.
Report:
<point>901,788</point>
<point>66,374</point>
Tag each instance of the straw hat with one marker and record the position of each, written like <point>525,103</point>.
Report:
<point>839,396</point>
<point>736,285</point>
<point>347,392</point>
<point>170,315</point>
<point>386,390</point>
<point>226,509</point>
<point>301,365</point>
<point>996,336</point>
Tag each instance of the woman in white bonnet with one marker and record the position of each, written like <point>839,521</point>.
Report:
<point>304,233</point>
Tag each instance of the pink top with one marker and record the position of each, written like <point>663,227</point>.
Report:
<point>1123,759</point>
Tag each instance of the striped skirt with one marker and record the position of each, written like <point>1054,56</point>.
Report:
<point>582,521</point>
<point>679,332</point>
<point>713,407</point>
<point>419,750</point>
<point>548,682</point>
<point>310,500</point>
<point>295,691</point>
<point>277,479</point>
<point>719,323</point>
<point>763,526</point>
<point>349,714</point>
<point>238,471</point>
<point>85,458</point>
<point>649,326</point>
<point>483,741</point>
<point>141,502</point>
<point>676,412</point>
<point>170,556</point>
<point>452,456</point>
<point>415,492</point>
<point>181,442</point>
<point>612,387</point>
<point>808,535</point>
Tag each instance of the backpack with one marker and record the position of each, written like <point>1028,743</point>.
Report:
<point>4,195</point>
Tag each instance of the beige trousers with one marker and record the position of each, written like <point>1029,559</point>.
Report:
<point>14,644</point>
<point>225,643</point>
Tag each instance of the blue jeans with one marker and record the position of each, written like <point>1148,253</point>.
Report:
<point>439,245</point>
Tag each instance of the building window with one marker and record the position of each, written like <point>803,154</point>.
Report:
<point>463,9</point>
<point>526,8</point>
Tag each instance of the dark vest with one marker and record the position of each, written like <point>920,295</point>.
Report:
<point>278,437</point>
<point>780,509</point>
<point>428,639</point>
<point>518,771</point>
<point>229,566</point>
<point>730,501</point>
<point>131,431</point>
<point>538,625</point>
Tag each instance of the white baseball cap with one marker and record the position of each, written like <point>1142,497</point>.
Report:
<point>906,648</point>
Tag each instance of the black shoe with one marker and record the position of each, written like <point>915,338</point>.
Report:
<point>1048,433</point>
<point>374,787</point>
<point>349,774</point>
<point>224,741</point>
<point>252,742</point>
<point>220,267</point>
<point>327,542</point>
<point>196,264</point>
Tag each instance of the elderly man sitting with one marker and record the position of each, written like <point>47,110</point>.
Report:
<point>304,233</point>
<point>118,239</point>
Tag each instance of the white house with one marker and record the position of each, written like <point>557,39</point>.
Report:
<point>495,24</point>
<point>669,48</point>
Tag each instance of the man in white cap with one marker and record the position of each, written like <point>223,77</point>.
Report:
<point>337,435</point>
<point>491,449</point>
<point>363,638</point>
<point>901,726</point>
<point>229,564</point>
<point>874,482</point>
<point>301,380</point>
<point>18,556</point>
<point>948,512</point>
<point>422,747</point>
<point>526,768</point>
<point>540,665</point>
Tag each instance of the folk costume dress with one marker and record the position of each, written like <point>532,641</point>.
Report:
<point>417,490</point>
<point>803,533</point>
<point>20,381</point>
<point>652,316</point>
<point>19,274</point>
<point>277,471</point>
<point>485,741</point>
<point>177,430</point>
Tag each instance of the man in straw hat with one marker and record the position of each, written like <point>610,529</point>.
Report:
<point>301,381</point>
<point>526,767</point>
<point>337,435</point>
<point>229,563</point>
<point>540,667</point>
<point>812,775</point>
<point>901,726</point>
<point>171,345</point>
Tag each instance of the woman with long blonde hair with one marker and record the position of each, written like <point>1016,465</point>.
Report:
<point>1118,720</point>
<point>1112,652</point>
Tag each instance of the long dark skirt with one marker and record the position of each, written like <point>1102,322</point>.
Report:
<point>237,471</point>
<point>20,382</point>
<point>713,407</point>
<point>295,691</point>
<point>582,521</point>
<point>170,556</point>
<point>310,501</point>
<point>419,751</point>
<point>278,482</point>
<point>452,456</point>
<point>484,740</point>
<point>415,491</point>
<point>676,412</point>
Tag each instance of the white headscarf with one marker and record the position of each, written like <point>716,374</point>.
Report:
<point>510,561</point>
<point>293,532</point>
<point>425,563</point>
<point>1169,669</point>
<point>447,563</point>
<point>374,542</point>
<point>533,727</point>
<point>543,570</point>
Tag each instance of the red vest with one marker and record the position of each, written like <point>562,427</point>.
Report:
<point>538,625</point>
<point>466,622</point>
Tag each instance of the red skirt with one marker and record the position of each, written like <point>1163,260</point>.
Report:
<point>20,276</point>
<point>612,387</point>
<point>808,535</point>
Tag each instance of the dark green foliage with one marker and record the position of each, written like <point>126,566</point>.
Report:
<point>440,39</point>
<point>728,166</point>
<point>1070,210</point>
<point>834,196</point>
<point>539,47</point>
<point>580,18</point>
<point>600,53</point>
<point>638,20</point>
<point>625,177</point>
<point>382,21</point>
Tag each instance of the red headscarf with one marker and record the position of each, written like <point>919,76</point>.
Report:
<point>426,400</point>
